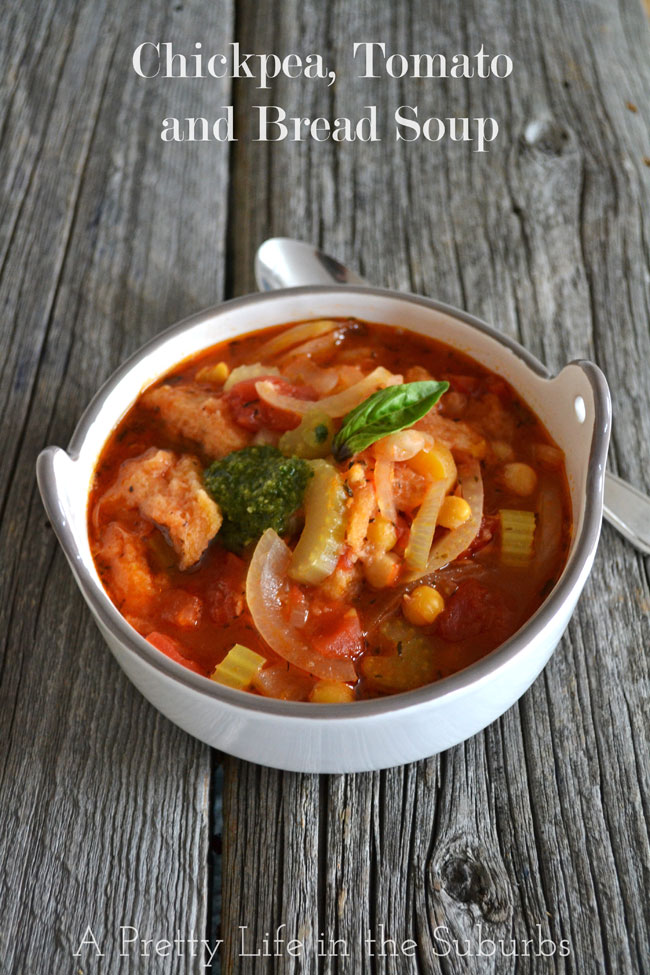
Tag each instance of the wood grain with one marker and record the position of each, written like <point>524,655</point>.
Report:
<point>104,806</point>
<point>539,824</point>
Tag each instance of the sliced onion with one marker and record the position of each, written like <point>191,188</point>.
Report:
<point>384,489</point>
<point>267,576</point>
<point>299,613</point>
<point>241,373</point>
<point>550,458</point>
<point>423,528</point>
<point>314,347</point>
<point>455,543</point>
<point>382,609</point>
<point>302,369</point>
<point>299,333</point>
<point>401,446</point>
<point>337,405</point>
<point>548,536</point>
<point>348,375</point>
<point>322,380</point>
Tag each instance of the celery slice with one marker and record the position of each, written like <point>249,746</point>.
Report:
<point>311,439</point>
<point>517,536</point>
<point>321,543</point>
<point>411,665</point>
<point>238,667</point>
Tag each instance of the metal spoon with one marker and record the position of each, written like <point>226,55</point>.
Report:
<point>281,262</point>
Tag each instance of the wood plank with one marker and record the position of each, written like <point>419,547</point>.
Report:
<point>541,820</point>
<point>108,235</point>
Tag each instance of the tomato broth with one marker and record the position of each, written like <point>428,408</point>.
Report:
<point>324,578</point>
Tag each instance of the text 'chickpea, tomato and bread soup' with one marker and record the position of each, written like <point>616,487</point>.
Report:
<point>329,511</point>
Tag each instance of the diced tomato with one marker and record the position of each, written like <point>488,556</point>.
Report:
<point>345,561</point>
<point>495,384</point>
<point>409,487</point>
<point>487,531</point>
<point>173,649</point>
<point>339,636</point>
<point>181,608</point>
<point>227,597</point>
<point>296,596</point>
<point>252,413</point>
<point>403,530</point>
<point>471,610</point>
<point>322,606</point>
<point>469,385</point>
<point>479,385</point>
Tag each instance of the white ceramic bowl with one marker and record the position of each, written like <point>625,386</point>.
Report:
<point>364,735</point>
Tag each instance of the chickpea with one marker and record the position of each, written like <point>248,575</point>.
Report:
<point>331,692</point>
<point>455,403</point>
<point>454,512</point>
<point>382,535</point>
<point>423,605</point>
<point>549,457</point>
<point>502,450</point>
<point>382,570</point>
<point>519,478</point>
<point>435,462</point>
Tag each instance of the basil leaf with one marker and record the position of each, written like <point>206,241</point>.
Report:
<point>386,411</point>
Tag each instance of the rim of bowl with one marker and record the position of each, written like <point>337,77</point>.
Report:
<point>356,710</point>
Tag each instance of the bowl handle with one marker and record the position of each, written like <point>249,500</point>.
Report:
<point>586,401</point>
<point>57,482</point>
<point>624,506</point>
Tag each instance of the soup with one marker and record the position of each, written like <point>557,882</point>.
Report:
<point>329,511</point>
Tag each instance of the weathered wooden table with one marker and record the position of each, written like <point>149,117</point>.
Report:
<point>109,815</point>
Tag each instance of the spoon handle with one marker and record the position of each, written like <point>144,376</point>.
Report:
<point>281,262</point>
<point>628,510</point>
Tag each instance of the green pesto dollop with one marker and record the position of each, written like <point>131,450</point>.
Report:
<point>256,488</point>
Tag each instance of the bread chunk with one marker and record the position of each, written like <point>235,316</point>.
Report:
<point>198,416</point>
<point>168,490</point>
<point>122,555</point>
